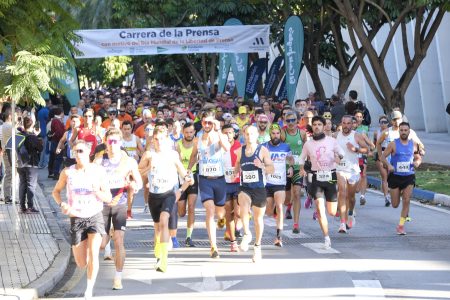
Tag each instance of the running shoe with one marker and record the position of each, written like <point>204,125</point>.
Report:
<point>221,223</point>
<point>238,233</point>
<point>362,200</point>
<point>161,265</point>
<point>246,239</point>
<point>387,203</point>
<point>257,255</point>
<point>288,214</point>
<point>327,243</point>
<point>32,210</point>
<point>342,228</point>
<point>226,236</point>
<point>295,229</point>
<point>117,284</point>
<point>278,242</point>
<point>401,230</point>
<point>145,209</point>
<point>108,256</point>
<point>189,243</point>
<point>408,218</point>
<point>214,253</point>
<point>308,202</point>
<point>175,243</point>
<point>315,215</point>
<point>351,222</point>
<point>129,216</point>
<point>234,247</point>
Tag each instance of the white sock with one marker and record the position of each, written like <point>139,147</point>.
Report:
<point>89,288</point>
<point>118,275</point>
<point>108,248</point>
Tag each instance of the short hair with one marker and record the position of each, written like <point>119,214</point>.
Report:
<point>113,131</point>
<point>209,113</point>
<point>80,142</point>
<point>404,124</point>
<point>75,116</point>
<point>318,118</point>
<point>187,125</point>
<point>353,94</point>
<point>226,126</point>
<point>126,122</point>
<point>27,122</point>
<point>88,110</point>
<point>383,117</point>
<point>358,112</point>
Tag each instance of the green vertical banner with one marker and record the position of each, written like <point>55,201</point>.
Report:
<point>224,70</point>
<point>69,84</point>
<point>293,54</point>
<point>239,64</point>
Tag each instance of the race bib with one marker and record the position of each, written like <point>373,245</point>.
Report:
<point>250,176</point>
<point>116,181</point>
<point>324,176</point>
<point>229,175</point>
<point>403,167</point>
<point>211,170</point>
<point>343,163</point>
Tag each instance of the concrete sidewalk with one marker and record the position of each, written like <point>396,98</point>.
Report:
<point>35,254</point>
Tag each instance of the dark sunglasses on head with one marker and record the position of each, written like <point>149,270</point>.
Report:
<point>291,120</point>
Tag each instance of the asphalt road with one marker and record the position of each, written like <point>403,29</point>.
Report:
<point>369,262</point>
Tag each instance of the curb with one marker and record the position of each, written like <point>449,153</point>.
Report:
<point>50,277</point>
<point>431,197</point>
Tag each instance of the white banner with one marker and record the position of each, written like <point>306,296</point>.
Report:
<point>179,40</point>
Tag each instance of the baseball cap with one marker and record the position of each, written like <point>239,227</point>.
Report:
<point>263,118</point>
<point>242,110</point>
<point>396,115</point>
<point>227,116</point>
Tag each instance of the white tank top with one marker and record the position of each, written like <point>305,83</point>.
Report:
<point>392,135</point>
<point>210,159</point>
<point>385,142</point>
<point>162,176</point>
<point>80,193</point>
<point>130,146</point>
<point>350,162</point>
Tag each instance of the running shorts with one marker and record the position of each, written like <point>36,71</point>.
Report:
<point>81,227</point>
<point>232,191</point>
<point>117,215</point>
<point>322,189</point>
<point>191,190</point>
<point>400,182</point>
<point>213,189</point>
<point>272,189</point>
<point>159,203</point>
<point>257,196</point>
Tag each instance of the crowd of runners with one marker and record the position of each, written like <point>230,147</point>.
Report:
<point>242,159</point>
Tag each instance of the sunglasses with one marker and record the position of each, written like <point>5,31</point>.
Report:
<point>291,120</point>
<point>122,111</point>
<point>113,113</point>
<point>111,142</point>
<point>262,122</point>
<point>384,122</point>
<point>209,123</point>
<point>79,151</point>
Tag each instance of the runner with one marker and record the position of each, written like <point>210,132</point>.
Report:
<point>162,167</point>
<point>134,149</point>
<point>87,188</point>
<point>323,152</point>
<point>189,197</point>
<point>67,140</point>
<point>262,123</point>
<point>211,148</point>
<point>348,171</point>
<point>232,187</point>
<point>124,177</point>
<point>254,163</point>
<point>401,179</point>
<point>295,138</point>
<point>280,154</point>
<point>383,121</point>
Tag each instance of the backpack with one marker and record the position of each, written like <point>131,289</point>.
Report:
<point>23,157</point>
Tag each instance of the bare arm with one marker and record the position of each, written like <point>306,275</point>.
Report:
<point>390,149</point>
<point>61,143</point>
<point>267,161</point>
<point>380,140</point>
<point>145,164</point>
<point>193,159</point>
<point>237,168</point>
<point>60,185</point>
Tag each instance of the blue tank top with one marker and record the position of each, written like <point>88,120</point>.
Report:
<point>278,155</point>
<point>402,160</point>
<point>251,175</point>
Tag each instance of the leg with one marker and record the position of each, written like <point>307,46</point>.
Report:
<point>210,223</point>
<point>279,200</point>
<point>192,199</point>
<point>296,203</point>
<point>32,177</point>
<point>323,222</point>
<point>244,203</point>
<point>342,198</point>
<point>173,226</point>
<point>182,208</point>
<point>80,254</point>
<point>406,196</point>
<point>93,248</point>
<point>8,176</point>
<point>22,187</point>
<point>258,215</point>
<point>395,197</point>
<point>270,206</point>
<point>119,258</point>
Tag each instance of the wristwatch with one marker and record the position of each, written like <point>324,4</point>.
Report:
<point>181,190</point>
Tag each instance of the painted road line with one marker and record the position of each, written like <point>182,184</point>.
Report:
<point>209,283</point>
<point>319,248</point>
<point>368,289</point>
<point>291,235</point>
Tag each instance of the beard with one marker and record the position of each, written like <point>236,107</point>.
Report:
<point>275,141</point>
<point>404,137</point>
<point>189,139</point>
<point>262,128</point>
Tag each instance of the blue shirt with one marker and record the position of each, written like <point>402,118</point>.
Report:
<point>43,120</point>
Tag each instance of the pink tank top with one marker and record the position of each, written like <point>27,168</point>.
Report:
<point>80,194</point>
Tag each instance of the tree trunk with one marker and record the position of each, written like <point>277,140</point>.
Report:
<point>195,74</point>
<point>212,73</point>
<point>140,76</point>
<point>179,80</point>
<point>313,70</point>
<point>205,74</point>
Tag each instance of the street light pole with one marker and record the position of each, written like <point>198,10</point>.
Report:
<point>13,152</point>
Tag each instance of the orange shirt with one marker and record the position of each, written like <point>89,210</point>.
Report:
<point>97,107</point>
<point>68,123</point>
<point>140,131</point>
<point>125,117</point>
<point>107,123</point>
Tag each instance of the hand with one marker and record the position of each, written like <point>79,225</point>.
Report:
<point>390,168</point>
<point>65,208</point>
<point>58,151</point>
<point>351,147</point>
<point>177,195</point>
<point>216,125</point>
<point>302,172</point>
<point>290,172</point>
<point>258,163</point>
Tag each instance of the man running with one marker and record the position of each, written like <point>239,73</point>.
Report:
<point>401,179</point>
<point>184,147</point>
<point>87,189</point>
<point>162,165</point>
<point>348,171</point>
<point>210,149</point>
<point>323,152</point>
<point>124,177</point>
<point>253,163</point>
<point>280,154</point>
<point>232,187</point>
<point>295,138</point>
